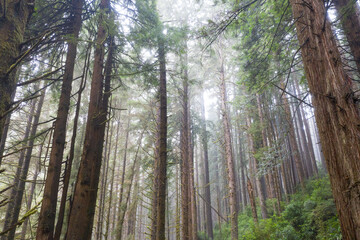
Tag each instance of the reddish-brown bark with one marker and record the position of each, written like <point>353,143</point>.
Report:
<point>47,215</point>
<point>83,208</point>
<point>336,112</point>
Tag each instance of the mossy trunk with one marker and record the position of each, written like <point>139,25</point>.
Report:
<point>14,16</point>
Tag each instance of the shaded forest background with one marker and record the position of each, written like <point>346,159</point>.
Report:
<point>179,119</point>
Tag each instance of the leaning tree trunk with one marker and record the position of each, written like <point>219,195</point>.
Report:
<point>160,169</point>
<point>14,16</point>
<point>335,108</point>
<point>47,215</point>
<point>83,207</point>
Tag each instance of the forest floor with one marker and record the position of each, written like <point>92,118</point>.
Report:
<point>310,214</point>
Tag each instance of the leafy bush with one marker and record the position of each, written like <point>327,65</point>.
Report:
<point>311,214</point>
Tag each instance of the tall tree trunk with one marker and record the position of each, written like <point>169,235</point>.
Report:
<point>229,157</point>
<point>121,213</point>
<point>112,181</point>
<point>160,170</point>
<point>177,210</point>
<point>254,169</point>
<point>302,149</point>
<point>274,169</point>
<point>70,159</point>
<point>14,17</point>
<point>32,191</point>
<point>242,170</point>
<point>349,13</point>
<point>292,140</point>
<point>208,217</point>
<point>194,225</point>
<point>103,185</point>
<point>133,173</point>
<point>335,110</point>
<point>307,129</point>
<point>20,187</point>
<point>9,220</point>
<point>47,215</point>
<point>252,200</point>
<point>83,207</point>
<point>187,174</point>
<point>185,162</point>
<point>218,193</point>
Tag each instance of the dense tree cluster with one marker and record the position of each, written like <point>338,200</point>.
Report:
<point>179,119</point>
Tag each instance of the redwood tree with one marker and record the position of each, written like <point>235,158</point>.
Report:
<point>335,108</point>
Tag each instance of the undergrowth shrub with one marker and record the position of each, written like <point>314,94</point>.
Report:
<point>310,215</point>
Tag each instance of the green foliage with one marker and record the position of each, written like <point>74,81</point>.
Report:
<point>311,214</point>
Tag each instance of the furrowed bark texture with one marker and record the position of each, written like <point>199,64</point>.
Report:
<point>336,113</point>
